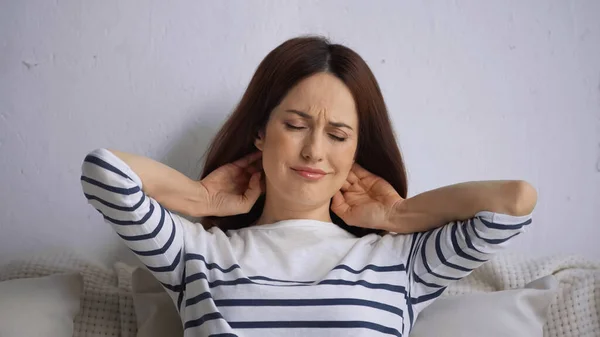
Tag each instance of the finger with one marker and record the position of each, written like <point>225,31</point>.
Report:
<point>352,178</point>
<point>251,169</point>
<point>360,172</point>
<point>339,205</point>
<point>255,167</point>
<point>346,186</point>
<point>248,159</point>
<point>338,199</point>
<point>253,191</point>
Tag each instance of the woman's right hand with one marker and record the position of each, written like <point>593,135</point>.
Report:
<point>234,188</point>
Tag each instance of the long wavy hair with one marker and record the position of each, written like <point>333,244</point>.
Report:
<point>285,66</point>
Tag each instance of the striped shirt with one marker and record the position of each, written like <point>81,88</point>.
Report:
<point>293,277</point>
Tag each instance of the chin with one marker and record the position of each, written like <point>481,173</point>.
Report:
<point>303,196</point>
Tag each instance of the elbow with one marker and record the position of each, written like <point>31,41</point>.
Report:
<point>523,196</point>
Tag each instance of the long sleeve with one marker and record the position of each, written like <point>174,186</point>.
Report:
<point>451,252</point>
<point>148,229</point>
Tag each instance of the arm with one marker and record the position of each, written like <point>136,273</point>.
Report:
<point>169,187</point>
<point>480,219</point>
<point>435,208</point>
<point>112,186</point>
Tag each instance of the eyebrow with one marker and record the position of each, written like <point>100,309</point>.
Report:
<point>307,116</point>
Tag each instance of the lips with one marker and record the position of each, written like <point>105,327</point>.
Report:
<point>309,172</point>
<point>309,169</point>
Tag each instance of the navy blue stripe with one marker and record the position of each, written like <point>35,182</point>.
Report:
<point>209,265</point>
<point>119,190</point>
<point>179,301</point>
<point>182,289</point>
<point>383,286</point>
<point>440,254</point>
<point>202,320</point>
<point>217,283</point>
<point>490,241</point>
<point>398,267</point>
<point>130,222</point>
<point>198,298</point>
<point>264,278</point>
<point>412,255</point>
<point>413,240</point>
<point>465,231</point>
<point>457,248</point>
<point>411,315</point>
<point>314,324</point>
<point>174,288</point>
<point>495,225</point>
<point>423,248</point>
<point>194,277</point>
<point>166,268</point>
<point>164,248</point>
<point>114,206</point>
<point>307,302</point>
<point>149,235</point>
<point>95,160</point>
<point>428,297</point>
<point>420,280</point>
<point>189,256</point>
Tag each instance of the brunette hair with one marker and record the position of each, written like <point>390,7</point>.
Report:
<point>285,66</point>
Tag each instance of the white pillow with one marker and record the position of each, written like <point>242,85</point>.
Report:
<point>514,313</point>
<point>43,306</point>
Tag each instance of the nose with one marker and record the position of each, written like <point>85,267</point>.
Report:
<point>313,148</point>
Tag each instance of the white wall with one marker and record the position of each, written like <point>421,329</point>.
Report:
<point>509,89</point>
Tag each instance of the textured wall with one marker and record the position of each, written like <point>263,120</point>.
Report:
<point>476,90</point>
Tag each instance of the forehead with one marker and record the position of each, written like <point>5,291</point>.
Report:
<point>323,93</point>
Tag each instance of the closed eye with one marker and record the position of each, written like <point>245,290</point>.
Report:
<point>293,127</point>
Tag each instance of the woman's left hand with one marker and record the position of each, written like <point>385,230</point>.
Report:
<point>365,200</point>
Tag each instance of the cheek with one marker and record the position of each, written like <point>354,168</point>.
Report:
<point>344,160</point>
<point>282,143</point>
<point>278,141</point>
<point>277,148</point>
<point>343,170</point>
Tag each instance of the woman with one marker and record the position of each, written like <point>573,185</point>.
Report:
<point>304,197</point>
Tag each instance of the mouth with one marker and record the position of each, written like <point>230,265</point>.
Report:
<point>309,173</point>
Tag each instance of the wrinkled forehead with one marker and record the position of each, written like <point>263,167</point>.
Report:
<point>322,95</point>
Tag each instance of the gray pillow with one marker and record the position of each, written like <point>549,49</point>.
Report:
<point>514,313</point>
<point>154,310</point>
<point>43,306</point>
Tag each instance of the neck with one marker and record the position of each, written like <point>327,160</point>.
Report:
<point>278,209</point>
